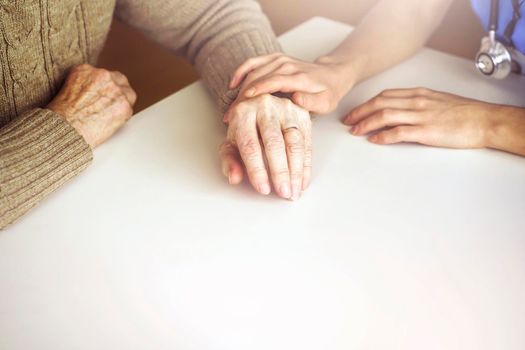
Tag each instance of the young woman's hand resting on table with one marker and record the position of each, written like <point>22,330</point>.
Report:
<point>439,119</point>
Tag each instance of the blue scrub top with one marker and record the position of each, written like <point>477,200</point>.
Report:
<point>482,8</point>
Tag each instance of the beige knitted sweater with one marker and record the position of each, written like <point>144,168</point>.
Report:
<point>40,40</point>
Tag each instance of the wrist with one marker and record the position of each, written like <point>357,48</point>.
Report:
<point>504,128</point>
<point>348,70</point>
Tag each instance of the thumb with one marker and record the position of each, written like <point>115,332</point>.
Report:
<point>316,103</point>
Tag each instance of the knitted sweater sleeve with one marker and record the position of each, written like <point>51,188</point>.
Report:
<point>216,36</point>
<point>39,151</point>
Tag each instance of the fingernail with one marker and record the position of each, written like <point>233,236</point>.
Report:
<point>264,189</point>
<point>355,130</point>
<point>296,192</point>
<point>372,138</point>
<point>285,191</point>
<point>250,92</point>
<point>230,178</point>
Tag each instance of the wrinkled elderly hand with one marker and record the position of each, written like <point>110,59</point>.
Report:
<point>271,136</point>
<point>96,102</point>
<point>317,87</point>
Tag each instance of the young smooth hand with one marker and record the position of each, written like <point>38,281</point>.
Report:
<point>316,87</point>
<point>96,102</point>
<point>271,138</point>
<point>438,119</point>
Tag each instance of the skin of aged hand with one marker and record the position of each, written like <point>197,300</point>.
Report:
<point>317,87</point>
<point>438,119</point>
<point>96,102</point>
<point>270,138</point>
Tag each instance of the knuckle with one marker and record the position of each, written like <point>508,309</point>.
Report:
<point>302,76</point>
<point>239,109</point>
<point>248,145</point>
<point>133,95</point>
<point>385,114</point>
<point>422,91</point>
<point>123,77</point>
<point>102,74</point>
<point>127,109</point>
<point>274,142</point>
<point>377,101</point>
<point>287,103</point>
<point>397,133</point>
<point>282,58</point>
<point>251,76</point>
<point>281,173</point>
<point>265,99</point>
<point>288,66</point>
<point>420,102</point>
<point>227,146</point>
<point>82,66</point>
<point>250,61</point>
<point>256,171</point>
<point>296,175</point>
<point>122,103</point>
<point>224,148</point>
<point>294,136</point>
<point>381,137</point>
<point>295,148</point>
<point>307,164</point>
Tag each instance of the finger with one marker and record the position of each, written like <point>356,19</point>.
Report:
<point>307,172</point>
<point>280,66</point>
<point>130,94</point>
<point>275,150</point>
<point>250,150</point>
<point>119,78</point>
<point>318,103</point>
<point>231,163</point>
<point>250,65</point>
<point>386,118</point>
<point>400,134</point>
<point>283,83</point>
<point>406,93</point>
<point>379,103</point>
<point>295,150</point>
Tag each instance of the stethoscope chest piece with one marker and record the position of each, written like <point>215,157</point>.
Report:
<point>494,59</point>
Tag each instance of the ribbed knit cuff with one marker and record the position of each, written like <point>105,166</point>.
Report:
<point>217,68</point>
<point>39,151</point>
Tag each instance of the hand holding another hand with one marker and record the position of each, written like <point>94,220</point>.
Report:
<point>317,87</point>
<point>96,102</point>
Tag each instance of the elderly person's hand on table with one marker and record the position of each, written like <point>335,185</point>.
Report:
<point>271,138</point>
<point>94,101</point>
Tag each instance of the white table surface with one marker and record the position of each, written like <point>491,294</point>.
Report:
<point>400,247</point>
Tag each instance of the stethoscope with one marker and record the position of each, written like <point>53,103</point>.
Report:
<point>497,59</point>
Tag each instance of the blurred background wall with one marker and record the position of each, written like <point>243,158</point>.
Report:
<point>155,73</point>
